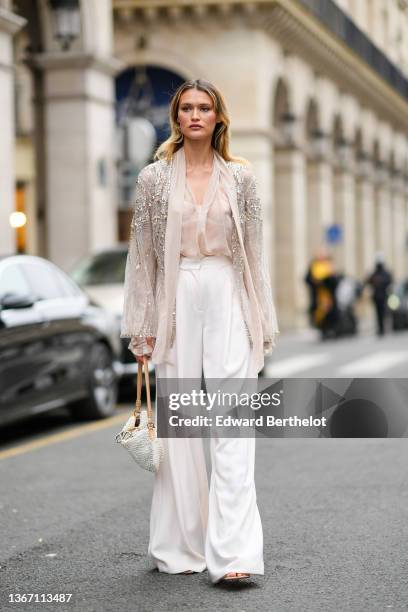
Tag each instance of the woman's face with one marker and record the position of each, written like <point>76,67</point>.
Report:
<point>196,115</point>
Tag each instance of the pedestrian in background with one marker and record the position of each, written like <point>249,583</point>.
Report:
<point>322,281</point>
<point>380,280</point>
<point>198,297</point>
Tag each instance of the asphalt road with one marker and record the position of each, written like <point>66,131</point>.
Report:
<point>75,509</point>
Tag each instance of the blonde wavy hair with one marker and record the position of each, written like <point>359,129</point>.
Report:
<point>221,135</point>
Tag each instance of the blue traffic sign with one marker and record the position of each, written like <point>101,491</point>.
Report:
<point>334,234</point>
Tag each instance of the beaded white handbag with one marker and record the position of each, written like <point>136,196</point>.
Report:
<point>138,435</point>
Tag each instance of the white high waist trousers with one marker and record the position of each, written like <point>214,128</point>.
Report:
<point>193,527</point>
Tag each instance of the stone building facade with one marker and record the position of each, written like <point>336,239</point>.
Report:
<point>318,96</point>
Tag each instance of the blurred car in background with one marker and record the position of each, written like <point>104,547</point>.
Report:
<point>57,348</point>
<point>398,305</point>
<point>102,275</point>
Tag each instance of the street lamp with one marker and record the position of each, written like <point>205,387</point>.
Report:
<point>319,143</point>
<point>288,124</point>
<point>344,150</point>
<point>67,22</point>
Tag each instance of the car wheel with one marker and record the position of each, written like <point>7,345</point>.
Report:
<point>102,386</point>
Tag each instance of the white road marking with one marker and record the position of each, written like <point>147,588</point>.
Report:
<point>374,364</point>
<point>293,365</point>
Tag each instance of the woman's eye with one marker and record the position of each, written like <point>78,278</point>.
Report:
<point>188,108</point>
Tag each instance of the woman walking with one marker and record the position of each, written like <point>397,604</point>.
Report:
<point>198,298</point>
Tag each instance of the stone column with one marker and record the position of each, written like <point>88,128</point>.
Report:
<point>365,237</point>
<point>345,214</point>
<point>80,173</point>
<point>9,25</point>
<point>383,240</point>
<point>320,209</point>
<point>319,203</point>
<point>256,147</point>
<point>398,228</point>
<point>405,208</point>
<point>290,237</point>
<point>365,217</point>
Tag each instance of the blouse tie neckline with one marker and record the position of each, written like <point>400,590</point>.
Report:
<point>211,189</point>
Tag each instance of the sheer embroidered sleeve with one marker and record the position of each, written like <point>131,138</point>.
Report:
<point>254,248</point>
<point>139,318</point>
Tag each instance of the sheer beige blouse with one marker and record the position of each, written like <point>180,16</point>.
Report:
<point>152,263</point>
<point>207,227</point>
<point>206,230</point>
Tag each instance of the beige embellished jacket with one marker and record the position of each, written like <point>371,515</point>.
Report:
<point>154,252</point>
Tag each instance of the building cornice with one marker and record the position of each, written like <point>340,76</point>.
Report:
<point>302,33</point>
<point>10,22</point>
<point>63,60</point>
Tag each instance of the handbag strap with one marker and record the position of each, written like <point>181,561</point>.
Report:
<point>138,406</point>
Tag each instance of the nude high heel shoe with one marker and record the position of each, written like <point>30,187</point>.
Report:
<point>235,577</point>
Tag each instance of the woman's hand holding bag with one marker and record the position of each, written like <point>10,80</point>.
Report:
<point>139,436</point>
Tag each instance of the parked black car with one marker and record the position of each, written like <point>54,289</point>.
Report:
<point>398,305</point>
<point>57,348</point>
